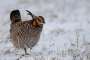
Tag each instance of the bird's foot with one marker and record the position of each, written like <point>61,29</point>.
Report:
<point>25,54</point>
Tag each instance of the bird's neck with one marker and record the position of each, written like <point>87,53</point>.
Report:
<point>34,23</point>
<point>37,25</point>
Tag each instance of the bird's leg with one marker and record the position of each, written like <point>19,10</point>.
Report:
<point>25,51</point>
<point>30,49</point>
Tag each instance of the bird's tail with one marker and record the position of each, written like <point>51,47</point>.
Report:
<point>15,16</point>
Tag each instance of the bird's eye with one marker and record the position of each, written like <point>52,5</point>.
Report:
<point>39,20</point>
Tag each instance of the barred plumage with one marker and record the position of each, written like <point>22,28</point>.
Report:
<point>26,34</point>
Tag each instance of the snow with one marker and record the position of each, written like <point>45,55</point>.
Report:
<point>65,36</point>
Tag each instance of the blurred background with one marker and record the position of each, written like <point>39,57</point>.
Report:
<point>55,12</point>
<point>67,22</point>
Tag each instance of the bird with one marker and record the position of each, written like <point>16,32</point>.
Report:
<point>25,34</point>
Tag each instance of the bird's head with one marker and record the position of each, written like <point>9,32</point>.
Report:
<point>37,20</point>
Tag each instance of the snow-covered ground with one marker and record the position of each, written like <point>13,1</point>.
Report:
<point>65,36</point>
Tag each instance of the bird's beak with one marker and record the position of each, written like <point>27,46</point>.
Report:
<point>41,23</point>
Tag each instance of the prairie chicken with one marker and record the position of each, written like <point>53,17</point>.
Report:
<point>25,34</point>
